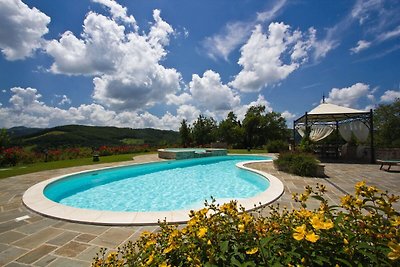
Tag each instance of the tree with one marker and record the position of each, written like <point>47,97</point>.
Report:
<point>261,127</point>
<point>275,128</point>
<point>387,124</point>
<point>4,139</point>
<point>184,132</point>
<point>204,130</point>
<point>253,124</point>
<point>230,130</point>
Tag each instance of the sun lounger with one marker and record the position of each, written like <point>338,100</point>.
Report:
<point>388,162</point>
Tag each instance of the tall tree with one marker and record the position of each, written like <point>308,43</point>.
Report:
<point>387,124</point>
<point>275,127</point>
<point>185,134</point>
<point>253,124</point>
<point>4,139</point>
<point>204,130</point>
<point>230,130</point>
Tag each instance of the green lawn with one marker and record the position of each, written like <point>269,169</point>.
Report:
<point>43,166</point>
<point>245,151</point>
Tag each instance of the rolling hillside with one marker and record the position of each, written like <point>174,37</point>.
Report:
<point>90,136</point>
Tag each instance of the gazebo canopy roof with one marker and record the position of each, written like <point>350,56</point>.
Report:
<point>327,112</point>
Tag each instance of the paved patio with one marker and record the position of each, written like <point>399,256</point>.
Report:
<point>39,241</point>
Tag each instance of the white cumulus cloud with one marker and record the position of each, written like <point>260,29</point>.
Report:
<point>348,96</point>
<point>117,11</point>
<point>390,96</point>
<point>211,93</point>
<point>25,108</point>
<point>22,29</point>
<point>125,63</point>
<point>236,33</point>
<point>262,56</point>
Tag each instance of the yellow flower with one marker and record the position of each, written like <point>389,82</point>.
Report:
<point>252,251</point>
<point>150,242</point>
<point>202,232</point>
<point>241,228</point>
<point>209,242</point>
<point>396,221</point>
<point>345,241</point>
<point>359,185</point>
<point>169,248</point>
<point>312,237</point>
<point>318,222</point>
<point>112,256</point>
<point>359,202</point>
<point>328,224</point>
<point>164,264</point>
<point>304,213</point>
<point>395,253</point>
<point>145,233</point>
<point>246,218</point>
<point>299,232</point>
<point>150,259</point>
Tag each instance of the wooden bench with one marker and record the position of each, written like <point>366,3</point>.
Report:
<point>387,162</point>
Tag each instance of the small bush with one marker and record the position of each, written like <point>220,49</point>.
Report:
<point>362,231</point>
<point>277,146</point>
<point>297,163</point>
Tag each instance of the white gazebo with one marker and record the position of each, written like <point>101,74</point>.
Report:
<point>325,118</point>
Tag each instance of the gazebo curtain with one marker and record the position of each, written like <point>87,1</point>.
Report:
<point>318,132</point>
<point>358,128</point>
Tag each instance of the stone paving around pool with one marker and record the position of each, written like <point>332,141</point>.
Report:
<point>41,241</point>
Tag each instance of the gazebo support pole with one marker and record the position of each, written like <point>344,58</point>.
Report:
<point>371,130</point>
<point>306,132</point>
<point>337,139</point>
<point>294,136</point>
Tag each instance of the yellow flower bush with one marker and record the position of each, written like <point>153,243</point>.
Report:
<point>362,231</point>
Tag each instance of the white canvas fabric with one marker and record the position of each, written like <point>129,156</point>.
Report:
<point>358,128</point>
<point>327,108</point>
<point>318,132</point>
<point>345,131</point>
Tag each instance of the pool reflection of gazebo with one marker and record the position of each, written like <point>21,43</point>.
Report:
<point>327,118</point>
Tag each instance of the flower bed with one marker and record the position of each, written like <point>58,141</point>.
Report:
<point>362,231</point>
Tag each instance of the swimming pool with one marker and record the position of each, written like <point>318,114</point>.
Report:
<point>144,193</point>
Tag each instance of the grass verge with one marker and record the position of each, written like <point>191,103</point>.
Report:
<point>245,151</point>
<point>44,166</point>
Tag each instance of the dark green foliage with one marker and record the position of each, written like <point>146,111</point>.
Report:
<point>276,146</point>
<point>4,139</point>
<point>230,131</point>
<point>204,130</point>
<point>184,132</point>
<point>261,127</point>
<point>94,136</point>
<point>387,124</point>
<point>297,163</point>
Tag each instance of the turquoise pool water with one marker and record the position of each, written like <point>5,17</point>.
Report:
<point>161,186</point>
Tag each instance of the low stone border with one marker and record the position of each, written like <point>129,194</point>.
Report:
<point>35,200</point>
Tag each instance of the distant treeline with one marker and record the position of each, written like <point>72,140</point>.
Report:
<point>89,136</point>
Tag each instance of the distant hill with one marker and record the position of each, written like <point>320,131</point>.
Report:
<point>21,131</point>
<point>90,136</point>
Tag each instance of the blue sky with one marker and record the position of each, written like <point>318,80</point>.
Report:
<point>146,63</point>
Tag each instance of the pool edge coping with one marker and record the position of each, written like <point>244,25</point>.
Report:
<point>35,200</point>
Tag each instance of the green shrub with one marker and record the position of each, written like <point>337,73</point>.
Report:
<point>302,164</point>
<point>362,231</point>
<point>276,146</point>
